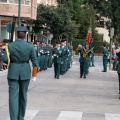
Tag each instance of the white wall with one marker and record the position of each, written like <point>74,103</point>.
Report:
<point>104,32</point>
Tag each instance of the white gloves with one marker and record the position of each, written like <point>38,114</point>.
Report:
<point>33,78</point>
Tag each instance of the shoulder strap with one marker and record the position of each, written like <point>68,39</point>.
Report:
<point>8,54</point>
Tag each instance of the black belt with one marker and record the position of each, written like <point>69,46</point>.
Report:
<point>19,62</point>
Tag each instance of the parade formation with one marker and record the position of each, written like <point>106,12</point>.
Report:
<point>60,55</point>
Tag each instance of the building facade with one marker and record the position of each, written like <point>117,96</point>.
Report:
<point>47,2</point>
<point>9,8</point>
<point>102,29</point>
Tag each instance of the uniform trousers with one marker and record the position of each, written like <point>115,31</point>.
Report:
<point>57,69</point>
<point>92,60</point>
<point>17,98</point>
<point>83,68</point>
<point>105,61</point>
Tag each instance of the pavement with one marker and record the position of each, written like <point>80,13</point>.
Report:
<point>70,97</point>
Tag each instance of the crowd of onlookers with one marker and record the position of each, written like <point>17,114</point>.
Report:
<point>114,56</point>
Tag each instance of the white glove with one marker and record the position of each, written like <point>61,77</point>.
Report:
<point>33,78</point>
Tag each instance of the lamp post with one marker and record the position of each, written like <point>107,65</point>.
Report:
<point>19,9</point>
<point>111,39</point>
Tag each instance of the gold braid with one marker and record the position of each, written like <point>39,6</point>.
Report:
<point>8,54</point>
<point>85,55</point>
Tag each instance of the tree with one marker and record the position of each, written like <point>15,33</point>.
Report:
<point>82,15</point>
<point>57,20</point>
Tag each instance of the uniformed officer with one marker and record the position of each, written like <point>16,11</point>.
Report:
<point>64,57</point>
<point>19,73</point>
<point>105,58</point>
<point>47,53</point>
<point>83,62</point>
<point>57,53</point>
<point>43,57</point>
<point>50,56</point>
<point>87,48</point>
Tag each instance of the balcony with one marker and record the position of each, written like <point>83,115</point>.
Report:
<point>10,8</point>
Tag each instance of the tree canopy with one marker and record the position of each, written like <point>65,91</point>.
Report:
<point>110,10</point>
<point>57,20</point>
<point>71,18</point>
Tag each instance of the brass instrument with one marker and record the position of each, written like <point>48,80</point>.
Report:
<point>85,55</point>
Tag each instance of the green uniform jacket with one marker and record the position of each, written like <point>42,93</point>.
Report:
<point>82,59</point>
<point>58,55</point>
<point>105,53</point>
<point>20,51</point>
<point>64,53</point>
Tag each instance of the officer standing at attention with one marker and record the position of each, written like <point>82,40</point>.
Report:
<point>105,58</point>
<point>19,72</point>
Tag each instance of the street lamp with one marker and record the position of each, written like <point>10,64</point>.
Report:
<point>19,9</point>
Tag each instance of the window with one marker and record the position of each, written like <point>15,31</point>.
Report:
<point>16,1</point>
<point>5,1</point>
<point>23,2</point>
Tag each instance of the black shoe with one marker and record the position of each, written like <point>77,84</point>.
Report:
<point>104,71</point>
<point>93,66</point>
<point>80,76</point>
<point>85,77</point>
<point>57,77</point>
<point>54,76</point>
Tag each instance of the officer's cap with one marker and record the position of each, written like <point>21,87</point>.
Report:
<point>57,42</point>
<point>63,40</point>
<point>21,29</point>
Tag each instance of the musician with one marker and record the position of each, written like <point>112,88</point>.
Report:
<point>87,53</point>
<point>83,62</point>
